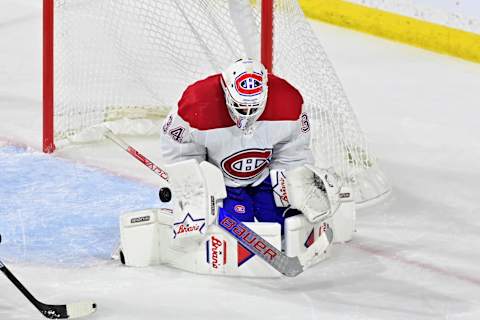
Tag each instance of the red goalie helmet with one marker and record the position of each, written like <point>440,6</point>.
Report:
<point>245,86</point>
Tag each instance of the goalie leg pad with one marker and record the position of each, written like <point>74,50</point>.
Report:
<point>146,241</point>
<point>220,254</point>
<point>300,234</point>
<point>142,236</point>
<point>343,222</point>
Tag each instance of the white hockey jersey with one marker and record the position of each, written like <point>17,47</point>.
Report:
<point>201,128</point>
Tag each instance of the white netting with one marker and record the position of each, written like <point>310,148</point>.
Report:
<point>126,62</point>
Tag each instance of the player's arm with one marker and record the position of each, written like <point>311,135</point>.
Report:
<point>177,141</point>
<point>291,153</point>
<point>294,151</point>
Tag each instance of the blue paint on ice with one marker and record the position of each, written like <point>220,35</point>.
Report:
<point>56,212</point>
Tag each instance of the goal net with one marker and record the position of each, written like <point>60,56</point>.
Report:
<point>125,63</point>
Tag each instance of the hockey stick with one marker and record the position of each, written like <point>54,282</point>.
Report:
<point>164,194</point>
<point>137,155</point>
<point>288,266</point>
<point>51,311</point>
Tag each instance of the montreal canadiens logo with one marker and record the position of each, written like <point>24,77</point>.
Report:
<point>239,208</point>
<point>249,84</point>
<point>247,164</point>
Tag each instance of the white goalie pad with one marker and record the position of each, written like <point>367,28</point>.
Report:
<point>344,219</point>
<point>221,254</point>
<point>300,234</point>
<point>189,199</point>
<point>146,241</point>
<point>142,238</point>
<point>313,191</point>
<point>197,192</point>
<point>216,190</point>
<point>150,237</point>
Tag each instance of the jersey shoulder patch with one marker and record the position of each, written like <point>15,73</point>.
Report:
<point>284,101</point>
<point>202,105</point>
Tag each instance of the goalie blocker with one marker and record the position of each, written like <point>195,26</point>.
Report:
<point>186,235</point>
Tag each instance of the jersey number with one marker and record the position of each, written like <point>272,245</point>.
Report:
<point>177,133</point>
<point>305,123</point>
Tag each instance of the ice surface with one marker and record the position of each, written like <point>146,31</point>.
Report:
<point>415,256</point>
<point>55,212</point>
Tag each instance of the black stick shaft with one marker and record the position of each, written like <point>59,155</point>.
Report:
<point>20,286</point>
<point>51,311</point>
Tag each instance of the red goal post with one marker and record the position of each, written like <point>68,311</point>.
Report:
<point>48,89</point>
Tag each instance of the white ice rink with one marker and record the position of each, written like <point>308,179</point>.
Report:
<point>415,256</point>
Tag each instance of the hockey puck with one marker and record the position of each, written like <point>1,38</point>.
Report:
<point>165,194</point>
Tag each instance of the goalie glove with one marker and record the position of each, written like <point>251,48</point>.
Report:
<point>313,191</point>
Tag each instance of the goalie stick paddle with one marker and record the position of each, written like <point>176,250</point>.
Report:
<point>52,311</point>
<point>288,266</point>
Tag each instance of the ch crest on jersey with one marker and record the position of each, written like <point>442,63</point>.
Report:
<point>249,84</point>
<point>247,164</point>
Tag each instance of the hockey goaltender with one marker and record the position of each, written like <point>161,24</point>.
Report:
<point>243,196</point>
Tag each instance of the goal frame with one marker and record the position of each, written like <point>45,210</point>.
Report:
<point>337,139</point>
<point>48,140</point>
<point>48,143</point>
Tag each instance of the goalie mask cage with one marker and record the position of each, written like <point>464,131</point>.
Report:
<point>125,63</point>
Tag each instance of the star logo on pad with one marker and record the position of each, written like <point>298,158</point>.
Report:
<point>188,226</point>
